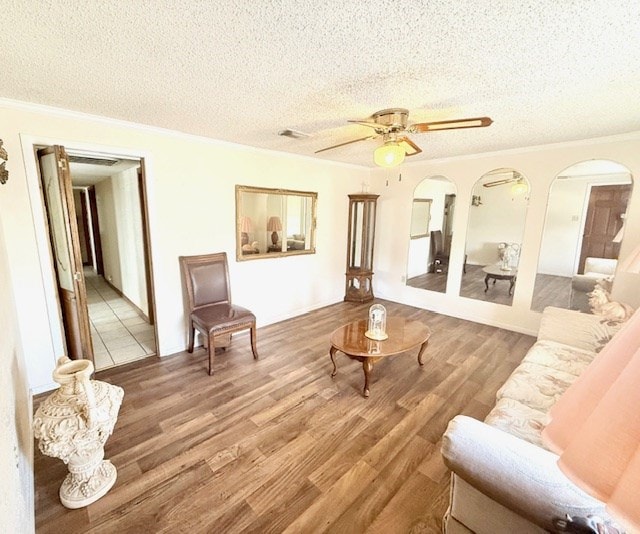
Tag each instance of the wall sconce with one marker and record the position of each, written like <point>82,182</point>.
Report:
<point>4,173</point>
<point>476,200</point>
<point>377,327</point>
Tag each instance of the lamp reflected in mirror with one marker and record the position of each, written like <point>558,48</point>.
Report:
<point>246,227</point>
<point>274,225</point>
<point>494,236</point>
<point>431,234</point>
<point>583,232</point>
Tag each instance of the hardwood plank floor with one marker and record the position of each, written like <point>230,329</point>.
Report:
<point>277,445</point>
<point>551,290</point>
<point>432,281</point>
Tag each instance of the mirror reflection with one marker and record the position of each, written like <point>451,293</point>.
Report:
<point>497,215</point>
<point>274,222</point>
<point>430,235</point>
<point>583,230</point>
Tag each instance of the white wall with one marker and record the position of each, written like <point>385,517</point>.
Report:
<point>118,202</point>
<point>500,218</point>
<point>540,165</point>
<point>191,186</point>
<point>108,229</point>
<point>16,439</point>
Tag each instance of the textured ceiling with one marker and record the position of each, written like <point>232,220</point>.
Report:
<point>545,71</point>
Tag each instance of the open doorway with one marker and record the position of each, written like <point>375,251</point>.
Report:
<point>110,257</point>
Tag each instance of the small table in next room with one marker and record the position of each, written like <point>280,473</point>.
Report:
<point>403,334</point>
<point>495,272</point>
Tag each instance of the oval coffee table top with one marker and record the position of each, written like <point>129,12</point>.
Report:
<point>498,271</point>
<point>404,334</point>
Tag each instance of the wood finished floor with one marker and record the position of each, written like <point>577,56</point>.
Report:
<point>549,290</point>
<point>277,445</point>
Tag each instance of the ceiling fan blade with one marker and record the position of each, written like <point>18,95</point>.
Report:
<point>346,143</point>
<point>373,125</point>
<point>409,146</point>
<point>500,182</point>
<point>476,122</point>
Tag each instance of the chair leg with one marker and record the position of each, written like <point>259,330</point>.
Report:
<point>212,351</point>
<point>192,333</point>
<point>254,349</point>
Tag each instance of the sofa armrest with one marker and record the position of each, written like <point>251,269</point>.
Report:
<point>580,330</point>
<point>584,282</point>
<point>518,475</point>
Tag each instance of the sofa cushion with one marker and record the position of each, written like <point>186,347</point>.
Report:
<point>519,420</point>
<point>536,386</point>
<point>559,357</point>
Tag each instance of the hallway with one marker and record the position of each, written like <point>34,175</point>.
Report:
<point>118,331</point>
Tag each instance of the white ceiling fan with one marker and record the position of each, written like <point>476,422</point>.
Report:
<point>392,125</point>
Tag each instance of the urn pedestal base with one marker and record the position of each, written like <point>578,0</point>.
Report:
<point>79,489</point>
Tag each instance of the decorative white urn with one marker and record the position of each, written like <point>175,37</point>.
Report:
<point>73,424</point>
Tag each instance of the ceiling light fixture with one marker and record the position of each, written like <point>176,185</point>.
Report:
<point>520,187</point>
<point>389,155</point>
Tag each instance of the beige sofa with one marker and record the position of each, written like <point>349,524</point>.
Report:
<point>503,478</point>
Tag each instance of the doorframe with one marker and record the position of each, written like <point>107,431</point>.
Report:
<point>29,145</point>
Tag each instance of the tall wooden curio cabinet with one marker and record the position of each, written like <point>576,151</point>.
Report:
<point>362,229</point>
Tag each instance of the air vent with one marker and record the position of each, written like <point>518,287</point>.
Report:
<point>87,160</point>
<point>288,132</point>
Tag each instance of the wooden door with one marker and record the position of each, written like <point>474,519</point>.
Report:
<point>95,230</point>
<point>65,248</point>
<point>146,241</point>
<point>607,204</point>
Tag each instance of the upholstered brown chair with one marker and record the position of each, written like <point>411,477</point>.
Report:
<point>439,255</point>
<point>208,299</point>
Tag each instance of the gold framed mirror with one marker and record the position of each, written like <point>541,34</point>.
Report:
<point>271,223</point>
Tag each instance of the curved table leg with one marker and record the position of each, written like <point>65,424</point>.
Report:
<point>511,284</point>
<point>332,352</point>
<point>486,283</point>
<point>423,347</point>
<point>367,366</point>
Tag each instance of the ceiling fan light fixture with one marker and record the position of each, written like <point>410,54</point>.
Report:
<point>520,187</point>
<point>391,154</point>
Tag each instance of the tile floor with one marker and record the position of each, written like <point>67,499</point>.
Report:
<point>119,334</point>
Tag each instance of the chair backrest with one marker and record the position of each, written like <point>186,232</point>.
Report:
<point>206,279</point>
<point>437,244</point>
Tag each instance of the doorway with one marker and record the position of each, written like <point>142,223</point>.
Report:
<point>605,215</point>
<point>106,221</point>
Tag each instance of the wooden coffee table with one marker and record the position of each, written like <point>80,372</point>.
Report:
<point>495,272</point>
<point>403,334</point>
